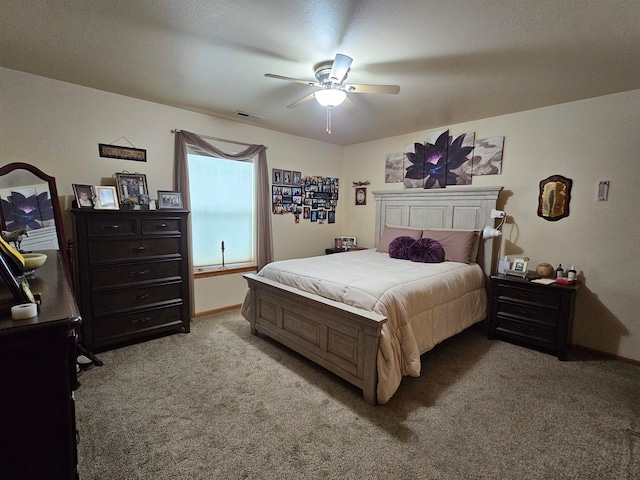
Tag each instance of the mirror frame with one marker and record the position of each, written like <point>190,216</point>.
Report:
<point>55,202</point>
<point>560,207</point>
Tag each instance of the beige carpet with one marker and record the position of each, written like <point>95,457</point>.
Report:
<point>219,403</point>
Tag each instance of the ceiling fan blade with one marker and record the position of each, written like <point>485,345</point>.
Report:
<point>340,68</point>
<point>289,79</point>
<point>311,96</point>
<point>388,89</point>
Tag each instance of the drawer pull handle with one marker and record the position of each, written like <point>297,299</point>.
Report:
<point>139,273</point>
<point>523,329</point>
<point>111,227</point>
<point>161,225</point>
<point>141,320</point>
<point>137,249</point>
<point>142,297</point>
<point>525,312</point>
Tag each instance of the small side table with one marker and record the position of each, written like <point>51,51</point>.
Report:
<point>329,251</point>
<point>531,314</point>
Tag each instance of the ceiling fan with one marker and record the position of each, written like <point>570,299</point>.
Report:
<point>330,76</point>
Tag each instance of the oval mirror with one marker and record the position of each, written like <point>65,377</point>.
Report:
<point>30,201</point>
<point>555,194</point>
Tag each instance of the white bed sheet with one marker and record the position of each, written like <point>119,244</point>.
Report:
<point>424,303</point>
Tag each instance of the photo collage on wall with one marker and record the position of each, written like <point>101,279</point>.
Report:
<point>315,198</point>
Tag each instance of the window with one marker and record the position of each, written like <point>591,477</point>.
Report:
<point>222,210</point>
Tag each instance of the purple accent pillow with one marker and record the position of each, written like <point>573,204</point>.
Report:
<point>426,250</point>
<point>399,247</point>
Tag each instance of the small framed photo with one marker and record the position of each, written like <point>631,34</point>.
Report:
<point>337,242</point>
<point>286,177</point>
<point>130,187</point>
<point>349,242</point>
<point>361,196</point>
<point>84,195</point>
<point>168,199</point>
<point>106,198</point>
<point>297,178</point>
<point>520,265</point>
<point>276,176</point>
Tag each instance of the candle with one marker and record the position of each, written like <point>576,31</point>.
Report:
<point>223,245</point>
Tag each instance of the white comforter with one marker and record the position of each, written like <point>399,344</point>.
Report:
<point>424,303</point>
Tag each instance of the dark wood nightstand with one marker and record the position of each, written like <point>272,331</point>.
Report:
<point>329,251</point>
<point>532,314</point>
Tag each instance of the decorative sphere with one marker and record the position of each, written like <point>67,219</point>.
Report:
<point>545,270</point>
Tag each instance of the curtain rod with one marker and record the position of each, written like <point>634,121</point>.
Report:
<point>176,130</point>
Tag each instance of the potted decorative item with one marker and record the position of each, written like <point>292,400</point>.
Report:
<point>545,270</point>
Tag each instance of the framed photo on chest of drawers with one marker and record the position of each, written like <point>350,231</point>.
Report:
<point>531,314</point>
<point>132,273</point>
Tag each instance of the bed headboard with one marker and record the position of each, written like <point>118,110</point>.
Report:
<point>466,207</point>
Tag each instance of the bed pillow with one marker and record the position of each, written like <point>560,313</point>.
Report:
<point>426,250</point>
<point>391,232</point>
<point>399,247</point>
<point>459,245</point>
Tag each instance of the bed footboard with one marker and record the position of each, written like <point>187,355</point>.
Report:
<point>341,338</point>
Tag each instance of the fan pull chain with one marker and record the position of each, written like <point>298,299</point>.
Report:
<point>328,119</point>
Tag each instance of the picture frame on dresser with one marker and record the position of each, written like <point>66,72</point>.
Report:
<point>169,199</point>
<point>84,195</point>
<point>106,198</point>
<point>131,186</point>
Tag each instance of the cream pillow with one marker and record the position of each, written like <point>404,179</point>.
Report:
<point>390,232</point>
<point>459,245</point>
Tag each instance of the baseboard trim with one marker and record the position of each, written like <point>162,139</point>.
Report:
<point>610,356</point>
<point>217,310</point>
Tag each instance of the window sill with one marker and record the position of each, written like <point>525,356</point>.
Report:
<point>203,272</point>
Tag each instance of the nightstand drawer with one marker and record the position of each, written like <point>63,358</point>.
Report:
<point>526,332</point>
<point>528,295</point>
<point>527,311</point>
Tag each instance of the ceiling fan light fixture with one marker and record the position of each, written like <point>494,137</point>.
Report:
<point>330,97</point>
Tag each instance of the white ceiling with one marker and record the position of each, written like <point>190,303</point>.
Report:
<point>454,61</point>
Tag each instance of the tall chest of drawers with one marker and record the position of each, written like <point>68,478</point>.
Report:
<point>133,274</point>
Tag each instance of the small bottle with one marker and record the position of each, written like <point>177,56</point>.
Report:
<point>559,271</point>
<point>571,274</point>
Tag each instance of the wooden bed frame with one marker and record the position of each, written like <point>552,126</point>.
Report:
<point>345,339</point>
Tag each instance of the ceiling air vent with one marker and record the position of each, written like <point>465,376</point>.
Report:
<point>251,116</point>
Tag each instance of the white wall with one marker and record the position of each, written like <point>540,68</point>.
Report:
<point>586,141</point>
<point>57,127</point>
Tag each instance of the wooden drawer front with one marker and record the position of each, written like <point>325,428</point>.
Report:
<point>125,250</point>
<point>550,299</point>
<point>526,311</point>
<point>110,227</point>
<point>161,226</point>
<point>116,275</point>
<point>526,332</point>
<point>107,302</point>
<point>112,329</point>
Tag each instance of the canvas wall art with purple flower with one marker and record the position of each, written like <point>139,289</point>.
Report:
<point>30,207</point>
